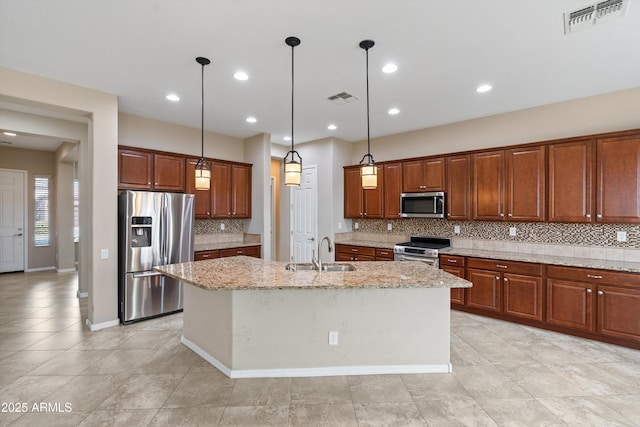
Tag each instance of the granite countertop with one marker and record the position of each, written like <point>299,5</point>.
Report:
<point>223,245</point>
<point>369,243</point>
<point>601,264</point>
<point>240,272</point>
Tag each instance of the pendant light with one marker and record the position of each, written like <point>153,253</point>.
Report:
<point>292,161</point>
<point>203,168</point>
<point>368,170</point>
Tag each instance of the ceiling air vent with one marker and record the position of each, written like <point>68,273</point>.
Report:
<point>342,98</point>
<point>588,16</point>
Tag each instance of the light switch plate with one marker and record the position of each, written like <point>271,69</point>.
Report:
<point>104,253</point>
<point>456,229</point>
<point>389,227</point>
<point>356,225</point>
<point>621,236</point>
<point>512,231</point>
<point>222,226</point>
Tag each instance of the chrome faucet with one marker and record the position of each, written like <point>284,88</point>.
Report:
<point>317,263</point>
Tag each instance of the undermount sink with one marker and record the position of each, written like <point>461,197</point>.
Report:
<point>306,266</point>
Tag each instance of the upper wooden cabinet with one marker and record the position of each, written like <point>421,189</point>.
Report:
<point>509,185</point>
<point>392,189</point>
<point>202,205</point>
<point>571,181</point>
<point>423,175</point>
<point>595,181</point>
<point>143,170</point>
<point>230,190</point>
<point>359,203</point>
<point>458,197</point>
<point>618,179</point>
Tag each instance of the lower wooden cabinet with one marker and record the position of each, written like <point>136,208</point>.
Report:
<point>203,255</point>
<point>569,304</point>
<point>253,251</point>
<point>355,253</point>
<point>485,293</point>
<point>618,314</point>
<point>522,296</point>
<point>384,254</point>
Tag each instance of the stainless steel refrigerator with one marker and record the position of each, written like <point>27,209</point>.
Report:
<point>153,229</point>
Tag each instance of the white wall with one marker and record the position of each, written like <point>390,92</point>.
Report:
<point>98,173</point>
<point>596,114</point>
<point>258,153</point>
<point>65,245</point>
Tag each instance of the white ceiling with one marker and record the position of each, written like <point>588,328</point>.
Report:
<point>142,50</point>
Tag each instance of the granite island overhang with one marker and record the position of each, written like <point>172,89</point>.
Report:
<point>252,318</point>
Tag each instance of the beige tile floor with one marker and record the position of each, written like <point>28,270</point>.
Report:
<point>141,375</point>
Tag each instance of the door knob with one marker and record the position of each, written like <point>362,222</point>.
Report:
<point>311,239</point>
<point>18,235</point>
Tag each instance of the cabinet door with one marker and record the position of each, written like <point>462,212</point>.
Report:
<point>413,176</point>
<point>485,293</point>
<point>204,255</point>
<point>526,184</point>
<point>488,186</point>
<point>135,170</point>
<point>459,188</point>
<point>522,296</point>
<point>353,204</point>
<point>457,294</point>
<point>618,312</point>
<point>252,251</point>
<point>434,174</point>
<point>570,304</point>
<point>618,180</point>
<point>570,182</point>
<point>384,254</point>
<point>220,190</point>
<point>168,173</point>
<point>341,256</point>
<point>392,189</point>
<point>373,199</point>
<point>241,191</point>
<point>202,205</point>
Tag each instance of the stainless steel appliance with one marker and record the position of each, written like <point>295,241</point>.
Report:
<point>153,229</point>
<point>422,205</point>
<point>421,248</point>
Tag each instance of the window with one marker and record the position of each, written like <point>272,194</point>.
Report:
<point>41,235</point>
<point>76,210</point>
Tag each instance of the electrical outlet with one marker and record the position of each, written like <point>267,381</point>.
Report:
<point>222,226</point>
<point>333,337</point>
<point>512,231</point>
<point>356,225</point>
<point>339,225</point>
<point>104,253</point>
<point>456,229</point>
<point>621,236</point>
<point>389,227</point>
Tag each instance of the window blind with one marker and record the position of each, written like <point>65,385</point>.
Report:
<point>41,234</point>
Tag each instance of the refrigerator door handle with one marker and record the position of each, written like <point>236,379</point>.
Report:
<point>146,274</point>
<point>163,230</point>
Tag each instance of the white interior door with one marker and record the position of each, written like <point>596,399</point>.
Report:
<point>12,235</point>
<point>304,215</point>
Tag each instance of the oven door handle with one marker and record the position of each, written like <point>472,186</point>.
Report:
<point>430,261</point>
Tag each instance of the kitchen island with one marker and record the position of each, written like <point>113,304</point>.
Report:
<point>253,318</point>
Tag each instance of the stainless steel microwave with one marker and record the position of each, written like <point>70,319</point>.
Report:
<point>422,205</point>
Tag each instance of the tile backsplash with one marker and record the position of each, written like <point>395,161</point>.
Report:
<point>214,226</point>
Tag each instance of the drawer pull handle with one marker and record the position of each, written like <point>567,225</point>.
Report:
<point>592,276</point>
<point>206,256</point>
<point>452,260</point>
<point>589,291</point>
<point>354,250</point>
<point>600,293</point>
<point>501,266</point>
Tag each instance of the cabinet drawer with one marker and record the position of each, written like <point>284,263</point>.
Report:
<point>253,251</point>
<point>384,254</point>
<point>202,255</point>
<point>594,276</point>
<point>453,260</point>
<point>359,250</point>
<point>506,266</point>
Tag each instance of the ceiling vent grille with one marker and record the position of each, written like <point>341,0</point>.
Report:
<point>342,98</point>
<point>588,16</point>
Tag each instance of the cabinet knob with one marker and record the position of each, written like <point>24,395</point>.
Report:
<point>510,215</point>
<point>156,183</point>
<point>505,279</point>
<point>587,216</point>
<point>589,291</point>
<point>502,215</point>
<point>148,183</point>
<point>365,214</point>
<point>600,293</point>
<point>599,215</point>
<point>497,277</point>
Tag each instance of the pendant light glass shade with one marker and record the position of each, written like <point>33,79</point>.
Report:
<point>292,161</point>
<point>368,170</point>
<point>203,168</point>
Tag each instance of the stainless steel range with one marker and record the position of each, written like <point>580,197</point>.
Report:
<point>421,248</point>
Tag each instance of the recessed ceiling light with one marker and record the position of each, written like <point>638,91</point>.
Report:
<point>332,127</point>
<point>483,88</point>
<point>393,111</point>
<point>173,97</point>
<point>241,75</point>
<point>251,120</point>
<point>390,68</point>
<point>9,133</point>
<point>287,138</point>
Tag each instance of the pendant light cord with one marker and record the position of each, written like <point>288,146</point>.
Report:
<point>368,133</point>
<point>292,86</point>
<point>202,116</point>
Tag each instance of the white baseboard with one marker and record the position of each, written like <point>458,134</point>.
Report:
<point>103,325</point>
<point>32,270</point>
<point>325,371</point>
<point>82,294</point>
<point>65,270</point>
